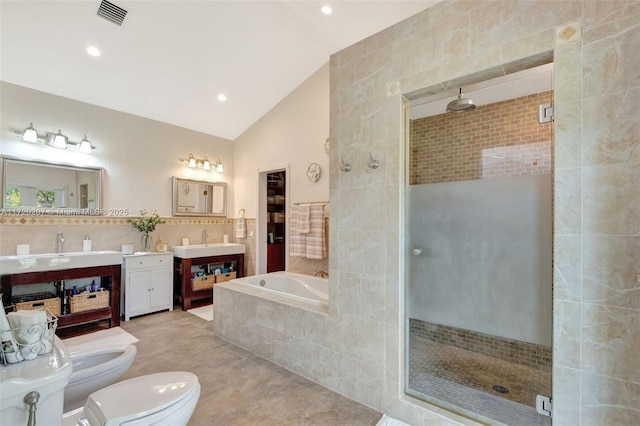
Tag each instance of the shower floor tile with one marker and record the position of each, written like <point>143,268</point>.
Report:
<point>466,379</point>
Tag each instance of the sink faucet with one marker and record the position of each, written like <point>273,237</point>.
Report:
<point>321,274</point>
<point>204,236</point>
<point>60,243</point>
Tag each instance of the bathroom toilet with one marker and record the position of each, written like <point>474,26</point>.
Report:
<point>167,398</point>
<point>93,370</point>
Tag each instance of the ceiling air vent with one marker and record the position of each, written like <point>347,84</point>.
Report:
<point>111,12</point>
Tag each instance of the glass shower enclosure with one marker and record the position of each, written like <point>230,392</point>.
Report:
<point>478,273</point>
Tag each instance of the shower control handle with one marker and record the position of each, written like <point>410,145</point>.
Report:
<point>416,252</point>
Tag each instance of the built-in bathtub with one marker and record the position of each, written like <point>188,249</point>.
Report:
<point>303,291</point>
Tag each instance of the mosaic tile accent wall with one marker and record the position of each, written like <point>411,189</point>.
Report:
<point>524,353</point>
<point>499,139</point>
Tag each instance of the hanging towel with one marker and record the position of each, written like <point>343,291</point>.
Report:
<point>241,228</point>
<point>304,222</point>
<point>316,240</point>
<point>297,246</point>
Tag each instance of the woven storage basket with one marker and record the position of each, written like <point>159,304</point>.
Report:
<point>52,304</point>
<point>203,283</point>
<point>89,301</point>
<point>225,277</point>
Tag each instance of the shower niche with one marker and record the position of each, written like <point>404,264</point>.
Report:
<point>478,227</point>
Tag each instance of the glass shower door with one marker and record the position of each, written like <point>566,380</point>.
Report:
<point>478,269</point>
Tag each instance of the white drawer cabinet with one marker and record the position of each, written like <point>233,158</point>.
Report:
<point>147,281</point>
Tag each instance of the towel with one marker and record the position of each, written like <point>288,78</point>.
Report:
<point>304,223</point>
<point>28,326</point>
<point>297,246</point>
<point>8,341</point>
<point>241,227</point>
<point>316,247</point>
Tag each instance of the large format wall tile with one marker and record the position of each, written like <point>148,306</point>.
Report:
<point>611,271</point>
<point>609,401</point>
<point>611,203</point>
<point>611,341</point>
<point>612,128</point>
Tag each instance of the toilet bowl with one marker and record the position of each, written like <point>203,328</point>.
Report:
<point>94,370</point>
<point>163,399</point>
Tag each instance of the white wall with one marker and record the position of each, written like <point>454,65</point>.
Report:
<point>139,155</point>
<point>293,132</point>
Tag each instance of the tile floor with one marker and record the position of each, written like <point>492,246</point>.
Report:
<point>465,379</point>
<point>238,388</point>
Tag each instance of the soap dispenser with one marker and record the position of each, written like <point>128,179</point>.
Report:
<point>86,243</point>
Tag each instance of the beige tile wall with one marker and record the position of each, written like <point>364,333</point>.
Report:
<point>358,349</point>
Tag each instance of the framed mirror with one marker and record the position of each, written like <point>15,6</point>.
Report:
<point>38,187</point>
<point>199,198</point>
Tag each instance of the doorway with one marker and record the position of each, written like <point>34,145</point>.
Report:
<point>271,226</point>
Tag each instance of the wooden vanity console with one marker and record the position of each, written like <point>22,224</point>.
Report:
<point>182,276</point>
<point>109,279</point>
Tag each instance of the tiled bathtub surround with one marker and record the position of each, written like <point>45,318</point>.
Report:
<point>537,357</point>
<point>359,350</point>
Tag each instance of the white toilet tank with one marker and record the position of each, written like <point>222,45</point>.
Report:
<point>48,375</point>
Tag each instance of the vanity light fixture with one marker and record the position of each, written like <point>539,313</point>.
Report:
<point>30,134</point>
<point>56,140</point>
<point>85,145</point>
<point>204,164</point>
<point>192,162</point>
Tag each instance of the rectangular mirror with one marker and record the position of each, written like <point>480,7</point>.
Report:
<point>37,187</point>
<point>199,198</point>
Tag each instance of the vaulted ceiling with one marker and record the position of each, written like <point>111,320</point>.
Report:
<point>169,60</point>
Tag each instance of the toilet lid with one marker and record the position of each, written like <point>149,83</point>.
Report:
<point>140,396</point>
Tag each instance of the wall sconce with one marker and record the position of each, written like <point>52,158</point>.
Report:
<point>30,134</point>
<point>56,140</point>
<point>204,164</point>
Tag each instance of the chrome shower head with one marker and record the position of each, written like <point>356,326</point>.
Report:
<point>460,104</point>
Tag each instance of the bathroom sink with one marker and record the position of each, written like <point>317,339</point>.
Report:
<point>57,261</point>
<point>205,250</point>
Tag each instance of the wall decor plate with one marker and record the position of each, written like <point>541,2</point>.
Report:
<point>313,172</point>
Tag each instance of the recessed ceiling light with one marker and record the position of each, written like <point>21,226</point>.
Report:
<point>222,97</point>
<point>93,51</point>
<point>326,9</point>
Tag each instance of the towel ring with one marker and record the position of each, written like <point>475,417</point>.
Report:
<point>241,212</point>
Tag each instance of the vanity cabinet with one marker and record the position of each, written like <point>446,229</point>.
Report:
<point>109,277</point>
<point>148,284</point>
<point>182,276</point>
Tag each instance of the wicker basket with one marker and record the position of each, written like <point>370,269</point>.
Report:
<point>88,301</point>
<point>203,283</point>
<point>53,304</point>
<point>225,277</point>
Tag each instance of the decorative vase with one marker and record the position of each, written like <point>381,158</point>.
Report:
<point>146,242</point>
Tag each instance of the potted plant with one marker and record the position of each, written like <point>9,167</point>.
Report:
<point>146,225</point>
